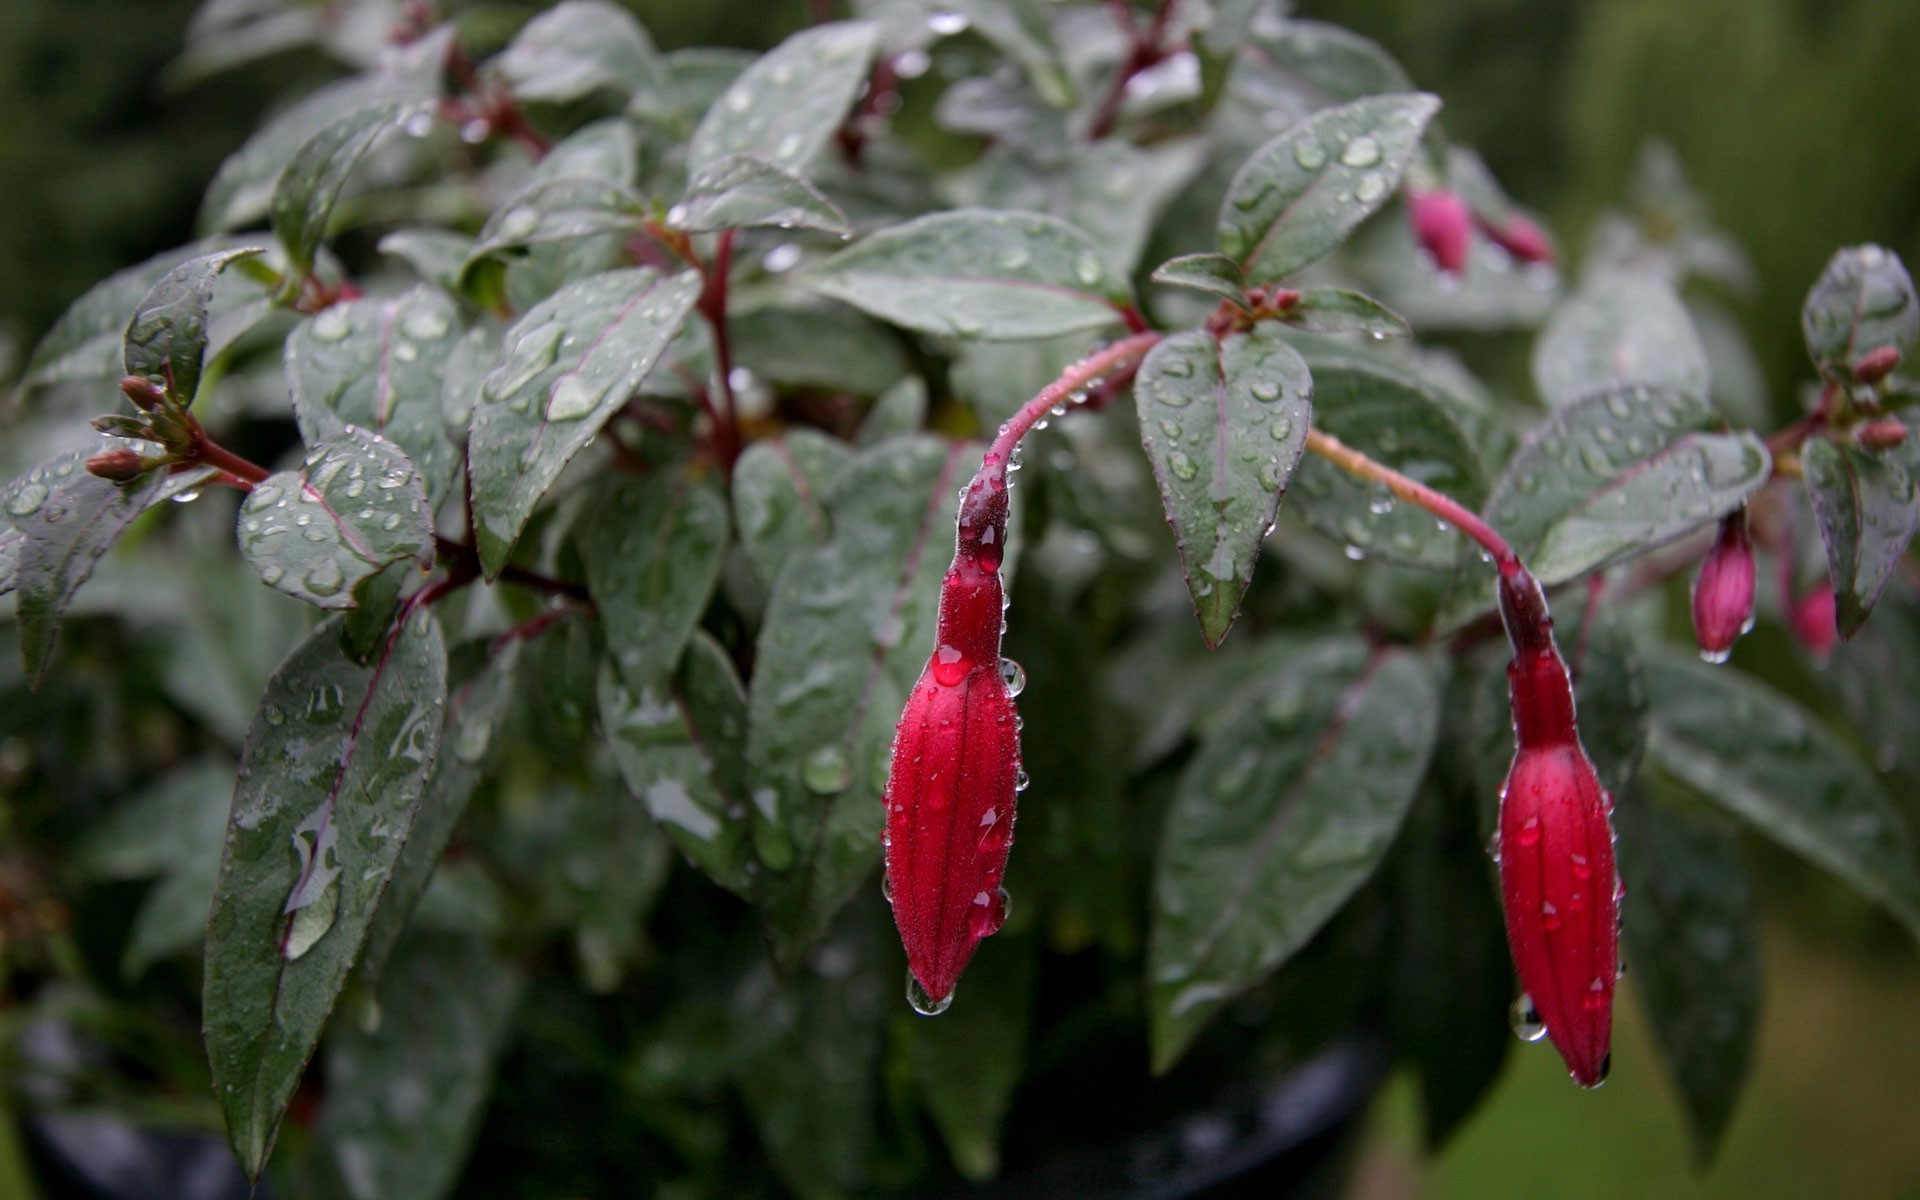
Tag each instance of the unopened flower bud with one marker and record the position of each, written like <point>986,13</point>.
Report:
<point>144,393</point>
<point>1883,434</point>
<point>1520,237</point>
<point>117,465</point>
<point>1557,882</point>
<point>1443,227</point>
<point>956,764</point>
<point>1813,620</point>
<point>1723,593</point>
<point>1876,364</point>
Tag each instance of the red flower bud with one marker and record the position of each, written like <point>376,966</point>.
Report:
<point>1876,364</point>
<point>1812,618</point>
<point>1723,593</point>
<point>1520,237</point>
<point>1443,227</point>
<point>956,764</point>
<point>144,393</point>
<point>117,465</point>
<point>1557,881</point>
<point>1883,434</point>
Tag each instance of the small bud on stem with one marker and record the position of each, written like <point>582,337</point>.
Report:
<point>1723,592</point>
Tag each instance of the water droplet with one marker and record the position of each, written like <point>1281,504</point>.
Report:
<point>923,1003</point>
<point>517,223</point>
<point>1264,390</point>
<point>1310,154</point>
<point>324,578</point>
<point>187,497</point>
<point>1362,151</point>
<point>1182,467</point>
<point>988,912</point>
<point>427,324</point>
<point>827,770</point>
<point>1087,269</point>
<point>572,398</point>
<point>1370,188</point>
<point>331,324</point>
<point>1525,1019</point>
<point>1281,429</point>
<point>1013,676</point>
<point>470,745</point>
<point>947,23</point>
<point>1021,780</point>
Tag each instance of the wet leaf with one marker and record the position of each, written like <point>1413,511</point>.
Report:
<point>780,488</point>
<point>379,365</point>
<point>405,1099</point>
<point>567,365</point>
<point>1302,193</point>
<point>967,1063</point>
<point>740,192</point>
<point>786,106</point>
<point>899,411</point>
<point>1287,808</point>
<point>972,273</point>
<point>1772,764</point>
<point>1335,310</point>
<point>825,346</point>
<point>1215,274</point>
<point>1862,302</point>
<point>653,549</point>
<point>1864,502</point>
<point>1616,330</point>
<point>304,194</point>
<point>847,631</point>
<point>584,187</point>
<point>355,506</point>
<point>166,340</point>
<point>680,745</point>
<point>577,48</point>
<point>1224,423</point>
<point>330,780</point>
<point>1328,63</point>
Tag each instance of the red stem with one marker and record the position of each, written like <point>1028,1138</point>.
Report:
<point>713,307</point>
<point>1143,50</point>
<point>1121,356</point>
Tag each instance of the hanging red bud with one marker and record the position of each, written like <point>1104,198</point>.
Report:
<point>956,764</point>
<point>1883,434</point>
<point>1557,881</point>
<point>144,393</point>
<point>1521,238</point>
<point>1443,227</point>
<point>117,465</point>
<point>1876,364</point>
<point>1812,618</point>
<point>1723,593</point>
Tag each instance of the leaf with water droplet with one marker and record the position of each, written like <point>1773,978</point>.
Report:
<point>1776,766</point>
<point>652,548</point>
<point>1862,302</point>
<point>966,1065</point>
<point>1336,310</point>
<point>1279,214</point>
<point>1214,274</point>
<point>604,332</point>
<point>346,366</point>
<point>975,273</point>
<point>1619,329</point>
<point>578,48</point>
<point>779,495</point>
<point>1864,501</point>
<point>845,636</point>
<point>1692,936</point>
<point>787,105</point>
<point>166,339</point>
<point>1274,826</point>
<point>1222,471</point>
<point>350,755</point>
<point>304,194</point>
<point>1321,62</point>
<point>741,192</point>
<point>316,532</point>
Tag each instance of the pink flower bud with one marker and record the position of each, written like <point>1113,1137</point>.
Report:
<point>1812,618</point>
<point>1520,237</point>
<point>1557,883</point>
<point>956,764</point>
<point>144,393</point>
<point>1883,434</point>
<point>1723,593</point>
<point>117,465</point>
<point>1443,226</point>
<point>1876,364</point>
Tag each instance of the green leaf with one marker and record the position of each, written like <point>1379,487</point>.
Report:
<point>900,411</point>
<point>780,488</point>
<point>681,746</point>
<point>1287,808</point>
<point>379,365</point>
<point>786,106</point>
<point>847,631</point>
<point>486,680</point>
<point>1116,191</point>
<point>567,365</point>
<point>166,341</point>
<point>1327,63</point>
<point>20,499</point>
<point>1335,310</point>
<point>967,1064</point>
<point>436,255</point>
<point>1693,482</point>
<point>652,549</point>
<point>577,48</point>
<point>1862,302</point>
<point>304,194</point>
<point>405,1099</point>
<point>1619,329</point>
<point>972,273</point>
<point>1020,28</point>
<point>1693,943</point>
<point>825,346</point>
<point>1301,194</point>
<point>740,191</point>
<point>67,521</point>
<point>1394,417</point>
<point>355,506</point>
<point>330,780</point>
<point>1773,764</point>
<point>1864,502</point>
<point>1224,423</point>
<point>1215,274</point>
<point>560,210</point>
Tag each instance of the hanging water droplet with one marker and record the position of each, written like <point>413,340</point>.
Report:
<point>1525,1019</point>
<point>923,1003</point>
<point>1013,676</point>
<point>1021,780</point>
<point>886,886</point>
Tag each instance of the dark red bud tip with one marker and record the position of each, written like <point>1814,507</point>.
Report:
<point>1812,618</point>
<point>982,521</point>
<point>1520,237</point>
<point>144,393</point>
<point>1443,227</point>
<point>117,465</point>
<point>1723,593</point>
<point>1876,364</point>
<point>1562,901</point>
<point>1881,435</point>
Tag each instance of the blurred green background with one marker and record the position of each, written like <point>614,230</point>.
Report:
<point>1797,122</point>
